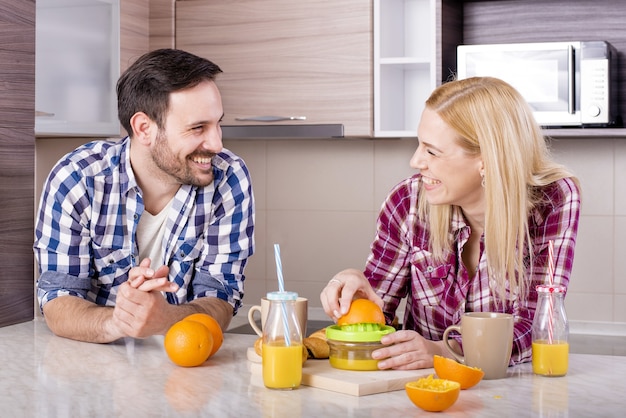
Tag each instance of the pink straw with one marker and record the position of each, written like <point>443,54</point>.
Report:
<point>550,262</point>
<point>550,282</point>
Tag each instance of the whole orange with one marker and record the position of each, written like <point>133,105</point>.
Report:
<point>433,395</point>
<point>213,326</point>
<point>362,311</point>
<point>188,343</point>
<point>450,369</point>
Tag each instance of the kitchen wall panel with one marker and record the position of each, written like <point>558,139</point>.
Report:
<point>620,181</point>
<point>596,276</point>
<point>592,160</point>
<point>134,30</point>
<point>17,144</point>
<point>592,311</point>
<point>619,271</point>
<point>600,163</point>
<point>597,281</point>
<point>162,24</point>
<point>320,175</point>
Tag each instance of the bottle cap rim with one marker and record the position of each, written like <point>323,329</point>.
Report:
<point>282,296</point>
<point>550,288</point>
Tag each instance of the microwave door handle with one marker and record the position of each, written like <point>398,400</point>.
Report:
<point>570,80</point>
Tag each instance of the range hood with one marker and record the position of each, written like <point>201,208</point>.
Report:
<point>312,131</point>
<point>269,129</point>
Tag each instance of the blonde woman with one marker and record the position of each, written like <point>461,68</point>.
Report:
<point>471,231</point>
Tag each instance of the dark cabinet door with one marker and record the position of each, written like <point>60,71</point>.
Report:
<point>17,156</point>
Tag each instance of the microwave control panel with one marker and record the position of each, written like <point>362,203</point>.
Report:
<point>594,91</point>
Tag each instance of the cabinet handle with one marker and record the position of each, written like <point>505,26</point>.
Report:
<point>270,118</point>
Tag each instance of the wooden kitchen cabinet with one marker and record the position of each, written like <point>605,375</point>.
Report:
<point>17,151</point>
<point>287,58</point>
<point>77,67</point>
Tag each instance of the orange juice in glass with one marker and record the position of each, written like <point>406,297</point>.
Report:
<point>282,365</point>
<point>550,359</point>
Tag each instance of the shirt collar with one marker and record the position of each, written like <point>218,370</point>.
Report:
<point>127,176</point>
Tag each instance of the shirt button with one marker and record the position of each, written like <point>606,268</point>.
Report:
<point>111,261</point>
<point>182,253</point>
<point>430,269</point>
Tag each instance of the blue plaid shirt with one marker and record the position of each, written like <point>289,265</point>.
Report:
<point>85,237</point>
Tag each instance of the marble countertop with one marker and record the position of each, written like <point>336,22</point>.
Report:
<point>44,375</point>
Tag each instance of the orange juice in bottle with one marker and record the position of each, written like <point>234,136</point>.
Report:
<point>550,359</point>
<point>550,332</point>
<point>282,343</point>
<point>282,365</point>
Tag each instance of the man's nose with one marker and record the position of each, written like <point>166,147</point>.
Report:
<point>213,140</point>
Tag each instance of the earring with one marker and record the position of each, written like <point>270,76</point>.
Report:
<point>482,181</point>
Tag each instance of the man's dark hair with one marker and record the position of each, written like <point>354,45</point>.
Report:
<point>146,85</point>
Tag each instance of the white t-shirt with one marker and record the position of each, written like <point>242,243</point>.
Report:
<point>150,232</point>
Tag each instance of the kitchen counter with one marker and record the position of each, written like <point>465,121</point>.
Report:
<point>44,375</point>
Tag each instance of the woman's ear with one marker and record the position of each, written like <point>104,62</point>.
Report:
<point>144,128</point>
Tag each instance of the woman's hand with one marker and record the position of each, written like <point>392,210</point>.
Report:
<point>347,285</point>
<point>407,350</point>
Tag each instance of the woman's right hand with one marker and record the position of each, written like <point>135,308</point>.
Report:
<point>347,285</point>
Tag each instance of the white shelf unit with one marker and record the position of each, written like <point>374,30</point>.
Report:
<point>404,64</point>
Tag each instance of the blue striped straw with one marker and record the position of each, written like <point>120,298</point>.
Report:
<point>281,288</point>
<point>279,268</point>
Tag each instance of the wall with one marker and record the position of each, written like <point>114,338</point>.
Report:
<point>17,143</point>
<point>319,199</point>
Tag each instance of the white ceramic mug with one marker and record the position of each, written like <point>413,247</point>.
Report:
<point>301,311</point>
<point>487,340</point>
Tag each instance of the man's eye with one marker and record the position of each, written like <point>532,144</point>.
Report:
<point>198,128</point>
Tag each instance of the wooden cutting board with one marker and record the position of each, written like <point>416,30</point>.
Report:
<point>320,374</point>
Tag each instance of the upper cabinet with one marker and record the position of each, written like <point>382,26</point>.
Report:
<point>77,67</point>
<point>309,60</point>
<point>368,65</point>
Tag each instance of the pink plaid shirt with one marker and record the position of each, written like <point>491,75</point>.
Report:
<point>401,265</point>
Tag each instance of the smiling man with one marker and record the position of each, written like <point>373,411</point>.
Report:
<point>134,235</point>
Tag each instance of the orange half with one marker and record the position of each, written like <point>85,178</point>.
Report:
<point>450,369</point>
<point>362,311</point>
<point>431,394</point>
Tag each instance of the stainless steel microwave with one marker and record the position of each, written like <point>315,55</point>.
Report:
<point>567,84</point>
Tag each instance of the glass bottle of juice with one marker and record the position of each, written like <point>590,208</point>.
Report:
<point>282,343</point>
<point>550,332</point>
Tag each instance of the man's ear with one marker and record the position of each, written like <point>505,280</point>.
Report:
<point>144,128</point>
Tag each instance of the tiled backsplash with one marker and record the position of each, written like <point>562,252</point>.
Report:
<point>319,199</point>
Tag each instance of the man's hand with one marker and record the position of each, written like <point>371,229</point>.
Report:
<point>140,308</point>
<point>145,278</point>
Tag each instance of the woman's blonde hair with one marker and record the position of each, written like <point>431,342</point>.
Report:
<point>494,121</point>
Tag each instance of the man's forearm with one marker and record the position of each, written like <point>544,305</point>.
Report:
<point>219,309</point>
<point>78,319</point>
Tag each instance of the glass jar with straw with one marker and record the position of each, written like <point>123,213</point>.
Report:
<point>550,329</point>
<point>282,338</point>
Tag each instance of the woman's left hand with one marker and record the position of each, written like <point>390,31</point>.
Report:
<point>407,350</point>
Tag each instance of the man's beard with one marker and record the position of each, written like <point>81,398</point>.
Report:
<point>167,162</point>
